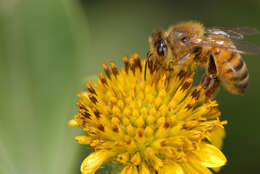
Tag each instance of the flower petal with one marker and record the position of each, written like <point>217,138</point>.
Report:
<point>144,169</point>
<point>217,136</point>
<point>195,168</point>
<point>94,161</point>
<point>210,156</point>
<point>216,169</point>
<point>130,169</point>
<point>173,168</point>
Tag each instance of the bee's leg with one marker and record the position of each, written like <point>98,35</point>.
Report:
<point>210,85</point>
<point>145,67</point>
<point>209,81</point>
<point>148,64</point>
<point>178,64</point>
<point>193,52</point>
<point>170,66</point>
<point>212,68</point>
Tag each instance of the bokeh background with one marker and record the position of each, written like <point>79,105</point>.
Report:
<point>50,48</point>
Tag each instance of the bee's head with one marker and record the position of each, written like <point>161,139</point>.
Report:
<point>158,45</point>
<point>158,50</point>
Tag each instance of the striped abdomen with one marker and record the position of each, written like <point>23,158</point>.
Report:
<point>232,71</point>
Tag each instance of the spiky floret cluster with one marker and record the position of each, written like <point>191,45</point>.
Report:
<point>162,124</point>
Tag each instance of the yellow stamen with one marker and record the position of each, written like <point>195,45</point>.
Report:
<point>162,124</point>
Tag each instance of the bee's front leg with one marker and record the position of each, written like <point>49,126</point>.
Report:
<point>170,66</point>
<point>149,63</point>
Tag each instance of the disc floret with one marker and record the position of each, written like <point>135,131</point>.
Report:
<point>158,124</point>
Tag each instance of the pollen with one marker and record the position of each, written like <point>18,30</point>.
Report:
<point>158,124</point>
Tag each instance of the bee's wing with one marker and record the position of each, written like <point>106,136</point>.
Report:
<point>246,47</point>
<point>236,33</point>
<point>238,46</point>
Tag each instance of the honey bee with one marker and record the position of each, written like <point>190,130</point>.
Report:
<point>217,49</point>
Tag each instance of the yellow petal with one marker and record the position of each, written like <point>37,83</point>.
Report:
<point>73,123</point>
<point>216,137</point>
<point>216,169</point>
<point>195,168</point>
<point>210,156</point>
<point>173,169</point>
<point>156,162</point>
<point>83,139</point>
<point>136,159</point>
<point>129,170</point>
<point>94,161</point>
<point>123,158</point>
<point>144,169</point>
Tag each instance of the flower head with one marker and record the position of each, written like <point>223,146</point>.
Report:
<point>161,124</point>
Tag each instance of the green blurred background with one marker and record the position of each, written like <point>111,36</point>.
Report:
<point>50,48</point>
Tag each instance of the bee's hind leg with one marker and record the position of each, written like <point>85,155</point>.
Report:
<point>210,84</point>
<point>209,80</point>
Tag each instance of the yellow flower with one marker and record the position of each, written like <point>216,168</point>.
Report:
<point>162,124</point>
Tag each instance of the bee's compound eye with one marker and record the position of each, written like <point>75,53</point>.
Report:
<point>162,48</point>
